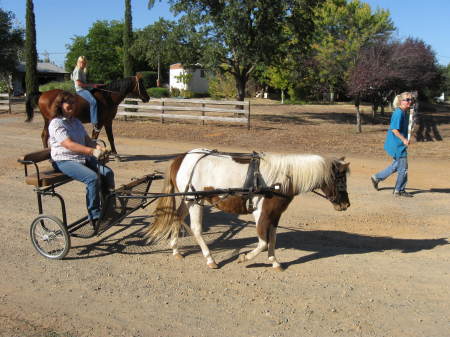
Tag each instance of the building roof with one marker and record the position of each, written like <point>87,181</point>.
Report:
<point>181,66</point>
<point>43,67</point>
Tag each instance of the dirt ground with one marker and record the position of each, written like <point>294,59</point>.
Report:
<point>382,268</point>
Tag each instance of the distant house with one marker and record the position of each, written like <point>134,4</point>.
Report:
<point>198,82</point>
<point>47,72</point>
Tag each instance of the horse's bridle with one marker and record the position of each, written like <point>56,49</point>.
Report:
<point>341,186</point>
<point>136,86</point>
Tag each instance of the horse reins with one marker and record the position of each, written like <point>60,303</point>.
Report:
<point>137,85</point>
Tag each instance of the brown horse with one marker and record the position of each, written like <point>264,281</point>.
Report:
<point>108,99</point>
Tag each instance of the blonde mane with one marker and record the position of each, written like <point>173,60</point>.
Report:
<point>296,173</point>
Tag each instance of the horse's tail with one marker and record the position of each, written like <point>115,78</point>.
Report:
<point>30,104</point>
<point>168,219</point>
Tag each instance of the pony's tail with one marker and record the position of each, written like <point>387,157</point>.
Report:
<point>30,104</point>
<point>168,219</point>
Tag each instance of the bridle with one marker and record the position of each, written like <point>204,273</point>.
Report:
<point>341,186</point>
<point>136,86</point>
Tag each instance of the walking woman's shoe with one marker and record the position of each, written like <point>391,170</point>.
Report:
<point>403,194</point>
<point>375,182</point>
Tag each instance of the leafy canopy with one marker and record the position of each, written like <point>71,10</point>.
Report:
<point>103,48</point>
<point>11,40</point>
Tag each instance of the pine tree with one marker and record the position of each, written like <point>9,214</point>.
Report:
<point>127,38</point>
<point>31,79</point>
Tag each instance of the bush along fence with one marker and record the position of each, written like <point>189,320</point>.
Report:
<point>194,109</point>
<point>5,102</point>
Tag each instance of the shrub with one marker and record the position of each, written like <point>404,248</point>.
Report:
<point>222,86</point>
<point>66,85</point>
<point>158,92</point>
<point>175,92</point>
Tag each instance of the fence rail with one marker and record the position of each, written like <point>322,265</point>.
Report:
<point>5,102</point>
<point>163,105</point>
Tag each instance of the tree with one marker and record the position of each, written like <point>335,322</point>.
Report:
<point>31,80</point>
<point>167,42</point>
<point>278,77</point>
<point>11,40</point>
<point>342,29</point>
<point>103,48</point>
<point>240,33</point>
<point>415,66</point>
<point>389,67</point>
<point>127,41</point>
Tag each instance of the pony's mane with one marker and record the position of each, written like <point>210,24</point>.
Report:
<point>121,85</point>
<point>296,173</point>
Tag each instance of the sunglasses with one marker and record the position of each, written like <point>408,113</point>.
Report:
<point>408,100</point>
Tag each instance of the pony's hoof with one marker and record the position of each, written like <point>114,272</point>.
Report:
<point>178,256</point>
<point>213,265</point>
<point>241,258</point>
<point>278,268</point>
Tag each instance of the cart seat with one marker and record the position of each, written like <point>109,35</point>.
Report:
<point>46,178</point>
<point>43,177</point>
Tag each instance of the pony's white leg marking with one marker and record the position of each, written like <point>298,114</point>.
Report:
<point>174,246</point>
<point>272,240</point>
<point>196,215</point>
<point>262,244</point>
<point>182,212</point>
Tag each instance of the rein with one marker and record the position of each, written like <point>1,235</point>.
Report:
<point>136,86</point>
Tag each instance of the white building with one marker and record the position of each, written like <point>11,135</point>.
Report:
<point>198,82</point>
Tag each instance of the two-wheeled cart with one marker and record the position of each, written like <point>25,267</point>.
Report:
<point>50,234</point>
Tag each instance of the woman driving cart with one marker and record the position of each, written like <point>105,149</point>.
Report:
<point>75,154</point>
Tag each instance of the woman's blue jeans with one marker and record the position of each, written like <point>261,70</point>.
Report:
<point>87,174</point>
<point>399,165</point>
<point>86,94</point>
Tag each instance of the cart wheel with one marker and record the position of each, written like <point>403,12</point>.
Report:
<point>50,237</point>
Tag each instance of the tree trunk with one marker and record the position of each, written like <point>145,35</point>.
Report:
<point>358,115</point>
<point>282,96</point>
<point>240,86</point>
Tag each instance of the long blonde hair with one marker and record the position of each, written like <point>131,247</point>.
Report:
<point>79,60</point>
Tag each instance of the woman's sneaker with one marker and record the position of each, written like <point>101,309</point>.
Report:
<point>375,182</point>
<point>403,194</point>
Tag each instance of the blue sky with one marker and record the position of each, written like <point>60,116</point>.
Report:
<point>57,21</point>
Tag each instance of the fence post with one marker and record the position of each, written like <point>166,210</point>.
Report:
<point>9,100</point>
<point>203,113</point>
<point>248,116</point>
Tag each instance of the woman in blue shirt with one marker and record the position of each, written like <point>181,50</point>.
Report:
<point>396,146</point>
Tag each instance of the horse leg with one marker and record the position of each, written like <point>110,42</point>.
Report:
<point>271,249</point>
<point>109,133</point>
<point>261,228</point>
<point>196,216</point>
<point>181,213</point>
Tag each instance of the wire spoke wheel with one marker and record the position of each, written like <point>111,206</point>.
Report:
<point>50,237</point>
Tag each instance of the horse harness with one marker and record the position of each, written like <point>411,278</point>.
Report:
<point>253,184</point>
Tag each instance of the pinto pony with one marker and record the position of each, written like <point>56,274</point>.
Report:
<point>108,99</point>
<point>206,170</point>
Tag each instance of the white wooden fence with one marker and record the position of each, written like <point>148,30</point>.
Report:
<point>228,112</point>
<point>5,102</point>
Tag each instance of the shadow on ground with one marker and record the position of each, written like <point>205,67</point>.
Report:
<point>130,239</point>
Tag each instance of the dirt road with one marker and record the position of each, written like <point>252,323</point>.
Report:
<point>382,268</point>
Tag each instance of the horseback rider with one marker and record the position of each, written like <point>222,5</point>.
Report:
<point>83,89</point>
